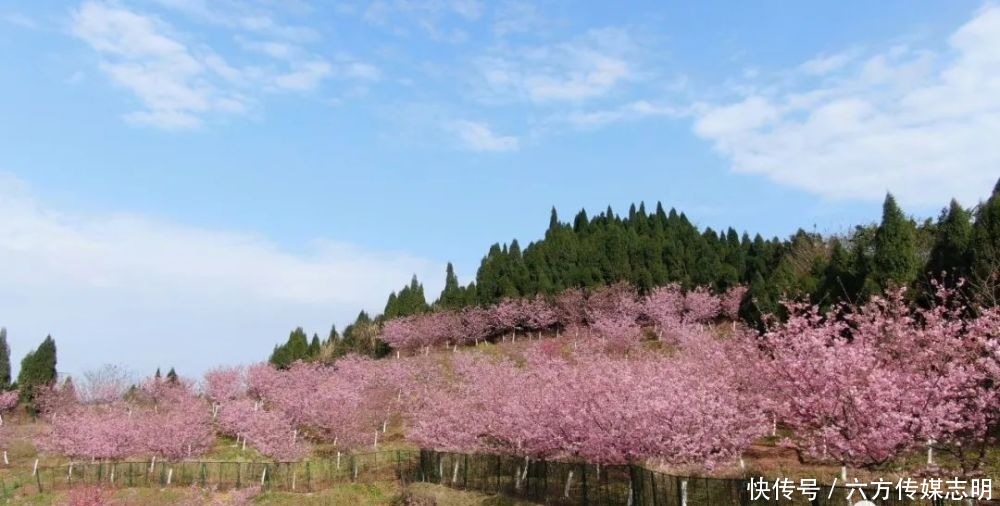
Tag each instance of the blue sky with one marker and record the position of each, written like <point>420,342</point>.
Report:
<point>182,181</point>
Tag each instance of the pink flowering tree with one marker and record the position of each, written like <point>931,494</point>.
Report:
<point>663,307</point>
<point>731,300</point>
<point>700,305</point>
<point>8,401</point>
<point>613,313</point>
<point>863,385</point>
<point>593,407</point>
<point>224,384</point>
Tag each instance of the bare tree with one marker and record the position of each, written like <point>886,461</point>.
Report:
<point>105,384</point>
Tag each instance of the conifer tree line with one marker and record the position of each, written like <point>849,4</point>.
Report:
<point>659,247</point>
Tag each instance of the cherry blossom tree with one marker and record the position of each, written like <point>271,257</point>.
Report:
<point>700,305</point>
<point>863,385</point>
<point>104,385</point>
<point>8,401</point>
<point>224,384</point>
<point>731,300</point>
<point>594,407</point>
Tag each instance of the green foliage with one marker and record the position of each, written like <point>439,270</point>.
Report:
<point>453,296</point>
<point>951,254</point>
<point>4,360</point>
<point>295,348</point>
<point>985,248</point>
<point>409,301</point>
<point>38,368</point>
<point>895,262</point>
<point>653,248</point>
<point>172,376</point>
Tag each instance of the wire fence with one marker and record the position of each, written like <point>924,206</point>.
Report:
<point>299,476</point>
<point>581,484</point>
<point>548,482</point>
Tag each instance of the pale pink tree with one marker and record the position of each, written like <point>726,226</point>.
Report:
<point>663,307</point>
<point>731,300</point>
<point>224,383</point>
<point>8,401</point>
<point>700,305</point>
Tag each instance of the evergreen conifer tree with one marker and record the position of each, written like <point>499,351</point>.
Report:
<point>951,253</point>
<point>985,248</point>
<point>895,261</point>
<point>38,368</point>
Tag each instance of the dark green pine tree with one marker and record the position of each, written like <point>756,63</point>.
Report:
<point>172,377</point>
<point>391,306</point>
<point>452,296</point>
<point>951,256</point>
<point>295,348</point>
<point>298,345</point>
<point>38,368</point>
<point>334,337</point>
<point>985,249</point>
<point>314,347</point>
<point>839,281</point>
<point>279,357</point>
<point>4,360</point>
<point>895,261</point>
<point>408,301</point>
<point>157,376</point>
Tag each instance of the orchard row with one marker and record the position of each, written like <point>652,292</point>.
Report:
<point>858,385</point>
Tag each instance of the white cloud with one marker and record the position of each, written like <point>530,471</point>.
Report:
<point>825,64</point>
<point>478,136</point>
<point>137,54</point>
<point>588,67</point>
<point>631,111</point>
<point>919,123</point>
<point>180,83</point>
<point>144,293</point>
<point>306,77</point>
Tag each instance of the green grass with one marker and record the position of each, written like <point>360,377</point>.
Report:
<point>371,494</point>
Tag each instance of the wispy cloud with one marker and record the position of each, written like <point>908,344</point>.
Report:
<point>587,67</point>
<point>19,19</point>
<point>150,292</point>
<point>478,136</point>
<point>631,111</point>
<point>517,17</point>
<point>137,53</point>
<point>430,17</point>
<point>918,122</point>
<point>181,82</point>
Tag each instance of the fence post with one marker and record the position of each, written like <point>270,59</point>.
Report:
<point>652,485</point>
